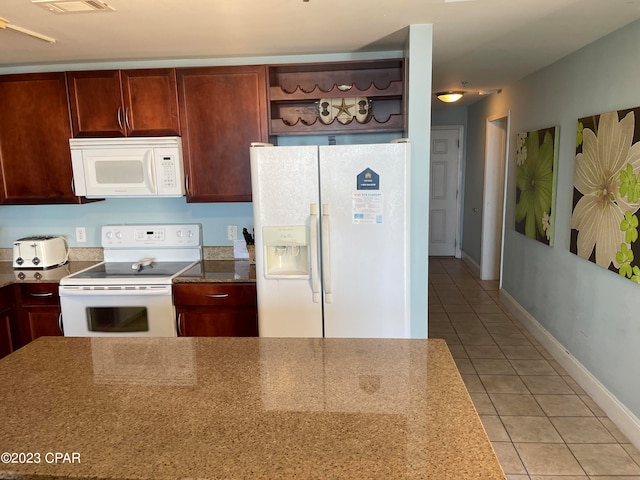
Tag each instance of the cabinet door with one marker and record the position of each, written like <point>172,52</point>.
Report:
<point>150,102</point>
<point>41,322</point>
<point>39,311</point>
<point>222,110</point>
<point>34,140</point>
<point>216,309</point>
<point>8,325</point>
<point>217,322</point>
<point>96,104</point>
<point>6,341</point>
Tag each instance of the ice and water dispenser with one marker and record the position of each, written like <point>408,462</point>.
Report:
<point>286,251</point>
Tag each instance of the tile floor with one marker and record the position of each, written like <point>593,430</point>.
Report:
<point>542,425</point>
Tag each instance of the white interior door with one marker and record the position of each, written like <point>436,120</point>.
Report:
<point>444,201</point>
<point>493,197</point>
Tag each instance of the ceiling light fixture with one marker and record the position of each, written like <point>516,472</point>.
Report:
<point>450,96</point>
<point>4,24</point>
<point>73,6</point>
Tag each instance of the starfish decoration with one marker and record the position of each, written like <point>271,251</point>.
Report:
<point>344,108</point>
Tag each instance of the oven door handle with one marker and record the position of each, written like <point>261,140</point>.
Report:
<point>70,291</point>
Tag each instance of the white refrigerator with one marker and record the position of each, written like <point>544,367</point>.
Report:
<point>331,230</point>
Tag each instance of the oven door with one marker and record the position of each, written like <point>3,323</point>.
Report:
<point>117,311</point>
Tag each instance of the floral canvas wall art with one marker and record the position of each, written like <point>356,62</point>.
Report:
<point>606,194</point>
<point>536,169</point>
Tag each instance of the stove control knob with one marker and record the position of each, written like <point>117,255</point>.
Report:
<point>35,260</point>
<point>189,233</point>
<point>179,233</point>
<point>109,235</point>
<point>19,260</point>
<point>118,235</point>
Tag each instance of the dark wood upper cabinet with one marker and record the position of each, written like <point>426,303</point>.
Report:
<point>34,140</point>
<point>118,103</point>
<point>222,110</point>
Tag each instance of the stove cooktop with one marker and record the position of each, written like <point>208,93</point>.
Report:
<point>142,254</point>
<point>128,270</point>
<point>112,273</point>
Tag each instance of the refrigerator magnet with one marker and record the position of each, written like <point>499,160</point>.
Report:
<point>368,180</point>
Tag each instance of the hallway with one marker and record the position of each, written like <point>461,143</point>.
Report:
<point>542,425</point>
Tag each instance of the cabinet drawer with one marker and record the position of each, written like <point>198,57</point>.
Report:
<point>215,294</point>
<point>39,294</point>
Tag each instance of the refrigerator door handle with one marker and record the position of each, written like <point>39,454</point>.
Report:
<point>315,276</point>
<point>326,255</point>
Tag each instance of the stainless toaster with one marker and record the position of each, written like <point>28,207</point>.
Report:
<point>42,251</point>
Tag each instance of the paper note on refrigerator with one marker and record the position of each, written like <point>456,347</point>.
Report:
<point>366,207</point>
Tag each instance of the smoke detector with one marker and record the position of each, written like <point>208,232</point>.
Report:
<point>73,6</point>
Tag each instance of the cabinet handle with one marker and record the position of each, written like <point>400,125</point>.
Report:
<point>179,322</point>
<point>60,323</point>
<point>119,116</point>
<point>45,294</point>
<point>186,184</point>
<point>217,295</point>
<point>126,118</point>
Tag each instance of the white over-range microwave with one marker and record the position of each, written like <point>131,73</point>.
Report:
<point>127,167</point>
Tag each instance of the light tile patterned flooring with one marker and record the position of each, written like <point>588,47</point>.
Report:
<point>542,425</point>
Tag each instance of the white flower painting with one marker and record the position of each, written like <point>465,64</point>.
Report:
<point>607,192</point>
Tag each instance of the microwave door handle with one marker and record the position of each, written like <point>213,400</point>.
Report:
<point>151,173</point>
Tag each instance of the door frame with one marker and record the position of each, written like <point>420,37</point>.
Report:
<point>494,196</point>
<point>459,191</point>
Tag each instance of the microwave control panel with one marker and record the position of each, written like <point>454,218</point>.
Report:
<point>168,171</point>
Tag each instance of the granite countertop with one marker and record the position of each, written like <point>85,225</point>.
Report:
<point>206,271</point>
<point>250,408</point>
<point>214,271</point>
<point>51,275</point>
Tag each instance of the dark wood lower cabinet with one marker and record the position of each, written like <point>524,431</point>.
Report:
<point>216,310</point>
<point>6,339</point>
<point>8,324</point>
<point>39,311</point>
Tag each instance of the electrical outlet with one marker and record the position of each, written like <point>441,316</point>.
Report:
<point>232,232</point>
<point>81,234</point>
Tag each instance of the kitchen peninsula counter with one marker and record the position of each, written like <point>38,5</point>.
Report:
<point>250,408</point>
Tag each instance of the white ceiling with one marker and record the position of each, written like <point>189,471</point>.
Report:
<point>487,43</point>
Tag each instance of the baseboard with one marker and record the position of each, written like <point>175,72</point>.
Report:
<point>471,263</point>
<point>619,414</point>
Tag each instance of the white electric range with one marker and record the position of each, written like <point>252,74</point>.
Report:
<point>129,294</point>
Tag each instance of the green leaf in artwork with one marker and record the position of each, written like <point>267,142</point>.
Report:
<point>629,185</point>
<point>579,135</point>
<point>629,226</point>
<point>534,179</point>
<point>624,257</point>
<point>636,274</point>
